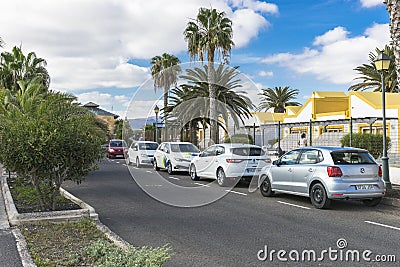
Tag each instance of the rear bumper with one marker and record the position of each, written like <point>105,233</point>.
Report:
<point>348,190</point>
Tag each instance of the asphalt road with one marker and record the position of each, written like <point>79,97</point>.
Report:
<point>237,229</point>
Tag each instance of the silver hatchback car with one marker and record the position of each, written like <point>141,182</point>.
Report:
<point>323,174</point>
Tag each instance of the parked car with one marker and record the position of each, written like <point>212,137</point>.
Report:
<point>174,156</point>
<point>117,148</point>
<point>324,174</point>
<point>142,153</point>
<point>229,162</point>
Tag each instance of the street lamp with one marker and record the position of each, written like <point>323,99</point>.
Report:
<point>156,110</point>
<point>382,63</point>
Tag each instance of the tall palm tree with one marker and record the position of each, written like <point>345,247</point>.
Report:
<point>191,102</point>
<point>209,33</point>
<point>371,77</point>
<point>165,70</point>
<point>278,98</point>
<point>15,67</point>
<point>393,8</point>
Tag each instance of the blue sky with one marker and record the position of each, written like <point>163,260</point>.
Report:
<point>100,50</point>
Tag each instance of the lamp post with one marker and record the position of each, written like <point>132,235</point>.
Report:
<point>156,110</point>
<point>382,63</point>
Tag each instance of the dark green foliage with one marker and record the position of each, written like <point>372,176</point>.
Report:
<point>240,139</point>
<point>371,142</point>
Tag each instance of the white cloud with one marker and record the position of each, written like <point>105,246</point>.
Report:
<point>335,59</point>
<point>371,3</point>
<point>88,44</point>
<point>332,36</point>
<point>116,104</point>
<point>265,73</point>
<point>255,5</point>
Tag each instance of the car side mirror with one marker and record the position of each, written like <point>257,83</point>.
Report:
<point>276,162</point>
<point>135,148</point>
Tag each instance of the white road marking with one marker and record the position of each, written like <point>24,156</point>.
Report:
<point>239,193</point>
<point>383,225</point>
<point>149,171</point>
<point>206,185</point>
<point>294,205</point>
<point>153,185</point>
<point>170,177</point>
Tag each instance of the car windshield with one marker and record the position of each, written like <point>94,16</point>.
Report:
<point>148,146</point>
<point>184,148</point>
<point>352,157</point>
<point>118,143</point>
<point>248,151</point>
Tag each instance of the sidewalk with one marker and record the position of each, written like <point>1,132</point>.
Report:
<point>9,256</point>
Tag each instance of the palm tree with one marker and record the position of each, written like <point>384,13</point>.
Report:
<point>210,32</point>
<point>165,70</point>
<point>278,98</point>
<point>393,8</point>
<point>15,67</point>
<point>191,102</point>
<point>371,78</point>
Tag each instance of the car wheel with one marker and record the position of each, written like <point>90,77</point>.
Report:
<point>372,202</point>
<point>156,168</point>
<point>318,196</point>
<point>170,169</point>
<point>137,162</point>
<point>221,178</point>
<point>265,188</point>
<point>193,174</point>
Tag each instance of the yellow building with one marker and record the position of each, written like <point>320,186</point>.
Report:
<point>102,114</point>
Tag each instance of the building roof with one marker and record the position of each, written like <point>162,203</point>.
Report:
<point>374,99</point>
<point>328,94</point>
<point>94,108</point>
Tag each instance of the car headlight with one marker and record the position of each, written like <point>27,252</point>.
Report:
<point>143,154</point>
<point>179,159</point>
<point>111,150</point>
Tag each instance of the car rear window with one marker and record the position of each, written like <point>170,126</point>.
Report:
<point>184,148</point>
<point>352,157</point>
<point>148,146</point>
<point>118,143</point>
<point>248,151</point>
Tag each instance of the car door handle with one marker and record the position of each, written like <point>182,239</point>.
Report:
<point>216,160</point>
<point>310,170</point>
<point>290,170</point>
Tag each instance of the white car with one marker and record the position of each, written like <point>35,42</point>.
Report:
<point>228,162</point>
<point>142,153</point>
<point>174,156</point>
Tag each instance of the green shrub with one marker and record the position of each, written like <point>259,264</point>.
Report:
<point>240,139</point>
<point>104,254</point>
<point>371,142</point>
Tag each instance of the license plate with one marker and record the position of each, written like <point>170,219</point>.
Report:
<point>252,170</point>
<point>364,187</point>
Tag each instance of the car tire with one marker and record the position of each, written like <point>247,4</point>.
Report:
<point>318,196</point>
<point>170,168</point>
<point>265,188</point>
<point>137,162</point>
<point>221,178</point>
<point>155,167</point>
<point>372,202</point>
<point>193,174</point>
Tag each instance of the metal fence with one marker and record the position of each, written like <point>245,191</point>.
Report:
<point>281,137</point>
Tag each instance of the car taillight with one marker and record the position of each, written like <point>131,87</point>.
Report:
<point>380,171</point>
<point>334,171</point>
<point>234,160</point>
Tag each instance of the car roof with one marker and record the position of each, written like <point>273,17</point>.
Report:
<point>237,145</point>
<point>141,142</point>
<point>336,148</point>
<point>177,143</point>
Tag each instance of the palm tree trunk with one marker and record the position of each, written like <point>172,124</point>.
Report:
<point>393,8</point>
<point>212,94</point>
